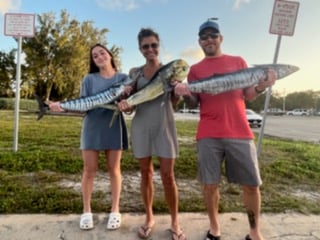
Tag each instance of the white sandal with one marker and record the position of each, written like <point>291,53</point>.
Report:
<point>86,221</point>
<point>114,221</point>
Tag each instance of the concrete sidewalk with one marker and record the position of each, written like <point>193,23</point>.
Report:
<point>289,226</point>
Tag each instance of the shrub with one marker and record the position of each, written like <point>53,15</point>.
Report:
<point>24,104</point>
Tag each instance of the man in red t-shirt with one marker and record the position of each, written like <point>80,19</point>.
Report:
<point>223,133</point>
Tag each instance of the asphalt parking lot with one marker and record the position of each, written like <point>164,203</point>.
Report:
<point>293,127</point>
<point>304,128</point>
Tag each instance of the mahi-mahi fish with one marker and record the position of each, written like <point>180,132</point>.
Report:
<point>83,104</point>
<point>243,78</point>
<point>162,81</point>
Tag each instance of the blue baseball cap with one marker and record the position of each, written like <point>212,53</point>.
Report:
<point>210,23</point>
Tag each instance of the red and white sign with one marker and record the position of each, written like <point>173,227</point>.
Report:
<point>19,25</point>
<point>284,17</point>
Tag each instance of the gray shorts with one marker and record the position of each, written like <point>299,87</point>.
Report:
<point>238,155</point>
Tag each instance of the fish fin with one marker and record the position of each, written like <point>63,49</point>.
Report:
<point>263,65</point>
<point>108,106</point>
<point>43,107</point>
<point>115,114</point>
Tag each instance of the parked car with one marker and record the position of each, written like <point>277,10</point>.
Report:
<point>184,110</point>
<point>298,112</point>
<point>194,110</point>
<point>274,112</point>
<point>254,119</point>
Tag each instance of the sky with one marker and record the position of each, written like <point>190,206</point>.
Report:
<point>244,25</point>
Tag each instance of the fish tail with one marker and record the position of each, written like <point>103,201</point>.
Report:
<point>43,107</point>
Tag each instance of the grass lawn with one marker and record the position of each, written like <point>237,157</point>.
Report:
<point>48,153</point>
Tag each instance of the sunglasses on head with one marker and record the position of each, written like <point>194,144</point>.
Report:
<point>205,36</point>
<point>152,45</point>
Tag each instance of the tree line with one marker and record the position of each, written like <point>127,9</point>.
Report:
<point>306,99</point>
<point>56,59</point>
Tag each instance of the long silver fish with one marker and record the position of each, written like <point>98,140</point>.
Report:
<point>243,78</point>
<point>83,104</point>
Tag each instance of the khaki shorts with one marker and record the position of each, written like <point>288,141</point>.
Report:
<point>238,155</point>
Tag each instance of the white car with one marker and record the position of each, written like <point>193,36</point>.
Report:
<point>274,112</point>
<point>254,119</point>
<point>298,112</point>
<point>184,110</point>
<point>194,111</point>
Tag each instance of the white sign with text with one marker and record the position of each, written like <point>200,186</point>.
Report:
<point>19,25</point>
<point>284,17</point>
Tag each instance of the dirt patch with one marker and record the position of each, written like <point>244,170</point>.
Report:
<point>130,195</point>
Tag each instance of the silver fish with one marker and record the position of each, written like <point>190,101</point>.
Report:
<point>243,78</point>
<point>83,104</point>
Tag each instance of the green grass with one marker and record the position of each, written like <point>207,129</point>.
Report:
<point>48,152</point>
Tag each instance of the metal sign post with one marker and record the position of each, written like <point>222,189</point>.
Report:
<point>18,25</point>
<point>283,22</point>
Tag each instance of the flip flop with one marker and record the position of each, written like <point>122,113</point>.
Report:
<point>211,237</point>
<point>248,237</point>
<point>176,236</point>
<point>144,232</point>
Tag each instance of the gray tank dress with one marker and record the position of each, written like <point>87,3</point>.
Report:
<point>153,130</point>
<point>96,133</point>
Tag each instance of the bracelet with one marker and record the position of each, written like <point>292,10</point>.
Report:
<point>257,90</point>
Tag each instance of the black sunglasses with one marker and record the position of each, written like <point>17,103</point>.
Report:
<point>205,36</point>
<point>152,45</point>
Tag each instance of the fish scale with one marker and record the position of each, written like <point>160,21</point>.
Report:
<point>175,70</point>
<point>161,83</point>
<point>240,79</point>
<point>83,104</point>
<point>86,103</point>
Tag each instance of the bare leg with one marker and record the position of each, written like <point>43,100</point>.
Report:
<point>211,199</point>
<point>113,158</point>
<point>147,189</point>
<point>170,191</point>
<point>252,202</point>
<point>90,166</point>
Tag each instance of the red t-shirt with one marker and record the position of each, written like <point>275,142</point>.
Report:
<point>222,115</point>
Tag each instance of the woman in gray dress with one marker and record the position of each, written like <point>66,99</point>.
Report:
<point>96,135</point>
<point>153,133</point>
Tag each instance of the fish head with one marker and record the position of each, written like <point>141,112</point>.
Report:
<point>284,70</point>
<point>178,71</point>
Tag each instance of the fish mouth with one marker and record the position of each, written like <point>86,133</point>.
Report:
<point>181,69</point>
<point>295,68</point>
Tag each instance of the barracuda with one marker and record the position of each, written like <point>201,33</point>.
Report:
<point>243,78</point>
<point>83,104</point>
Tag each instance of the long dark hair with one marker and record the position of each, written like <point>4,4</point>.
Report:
<point>93,67</point>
